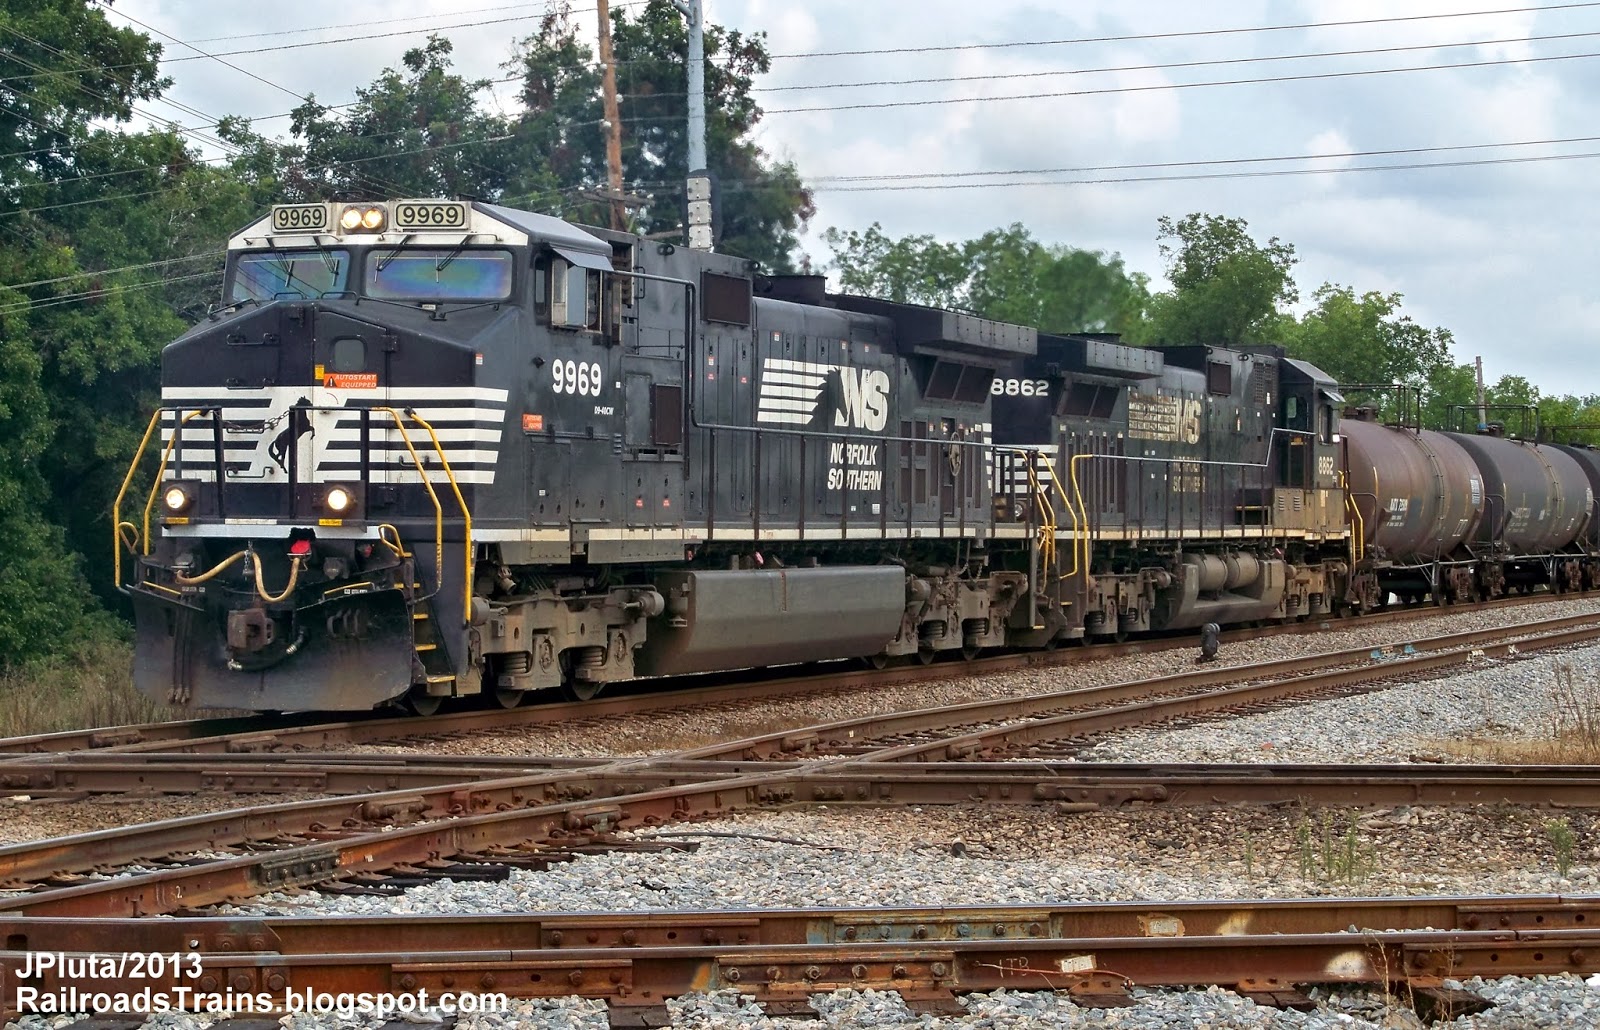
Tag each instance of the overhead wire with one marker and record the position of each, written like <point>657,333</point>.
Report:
<point>1151,87</point>
<point>1168,65</point>
<point>373,179</point>
<point>1184,33</point>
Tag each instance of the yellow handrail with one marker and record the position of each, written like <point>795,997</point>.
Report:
<point>117,538</point>
<point>1046,510</point>
<point>161,470</point>
<point>422,473</point>
<point>1358,539</point>
<point>118,526</point>
<point>466,516</point>
<point>1077,491</point>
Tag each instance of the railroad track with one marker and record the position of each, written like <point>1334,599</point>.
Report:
<point>324,839</point>
<point>310,731</point>
<point>635,961</point>
<point>417,817</point>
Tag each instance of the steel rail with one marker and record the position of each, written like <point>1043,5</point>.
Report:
<point>1335,668</point>
<point>301,934</point>
<point>312,730</point>
<point>1009,736</point>
<point>636,961</point>
<point>388,789</point>
<point>333,823</point>
<point>475,831</point>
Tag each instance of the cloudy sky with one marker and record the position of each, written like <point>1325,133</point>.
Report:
<point>1114,114</point>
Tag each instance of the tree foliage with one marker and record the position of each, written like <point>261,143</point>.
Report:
<point>1226,288</point>
<point>1367,340</point>
<point>1004,274</point>
<point>762,204</point>
<point>412,133</point>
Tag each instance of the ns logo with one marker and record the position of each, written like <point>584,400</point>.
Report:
<point>860,398</point>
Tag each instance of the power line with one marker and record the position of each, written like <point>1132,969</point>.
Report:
<point>1202,176</point>
<point>1184,34</point>
<point>145,25</point>
<point>1167,66</point>
<point>451,14</point>
<point>372,179</point>
<point>1309,76</point>
<point>88,295</point>
<point>112,271</point>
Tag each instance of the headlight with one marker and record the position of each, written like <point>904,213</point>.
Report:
<point>176,498</point>
<point>339,500</point>
<point>363,218</point>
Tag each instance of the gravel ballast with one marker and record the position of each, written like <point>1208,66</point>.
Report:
<point>964,855</point>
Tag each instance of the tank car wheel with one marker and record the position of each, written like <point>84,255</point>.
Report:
<point>1119,637</point>
<point>423,704</point>
<point>876,661</point>
<point>926,655</point>
<point>508,698</point>
<point>970,653</point>
<point>581,690</point>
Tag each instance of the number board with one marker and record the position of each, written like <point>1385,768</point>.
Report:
<point>289,217</point>
<point>430,214</point>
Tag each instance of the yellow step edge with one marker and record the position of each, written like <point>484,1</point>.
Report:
<point>426,647</point>
<point>419,615</point>
<point>441,679</point>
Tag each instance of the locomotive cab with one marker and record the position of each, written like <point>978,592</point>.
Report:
<point>329,438</point>
<point>1309,492</point>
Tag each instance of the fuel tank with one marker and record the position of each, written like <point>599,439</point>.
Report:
<point>1419,495</point>
<point>751,619</point>
<point>1588,459</point>
<point>1536,499</point>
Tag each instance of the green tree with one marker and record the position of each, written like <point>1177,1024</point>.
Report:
<point>910,270</point>
<point>1226,287</point>
<point>1004,274</point>
<point>416,134</point>
<point>75,343</point>
<point>1366,339</point>
<point>762,203</point>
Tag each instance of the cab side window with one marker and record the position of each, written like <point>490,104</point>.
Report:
<point>574,296</point>
<point>541,287</point>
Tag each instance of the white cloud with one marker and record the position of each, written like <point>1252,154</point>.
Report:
<point>1500,254</point>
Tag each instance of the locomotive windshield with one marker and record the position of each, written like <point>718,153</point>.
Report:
<point>428,274</point>
<point>263,275</point>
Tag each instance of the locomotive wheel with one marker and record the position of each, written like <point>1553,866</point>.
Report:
<point>423,704</point>
<point>876,661</point>
<point>926,655</point>
<point>508,698</point>
<point>581,690</point>
<point>970,653</point>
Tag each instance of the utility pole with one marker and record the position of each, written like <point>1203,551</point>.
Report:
<point>698,185</point>
<point>608,68</point>
<point>1483,415</point>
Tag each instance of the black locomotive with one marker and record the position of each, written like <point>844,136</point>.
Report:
<point>438,448</point>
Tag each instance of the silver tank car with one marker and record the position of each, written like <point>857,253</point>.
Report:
<point>1536,499</point>
<point>1588,459</point>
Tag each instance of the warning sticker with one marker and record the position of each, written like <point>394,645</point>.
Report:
<point>532,423</point>
<point>352,380</point>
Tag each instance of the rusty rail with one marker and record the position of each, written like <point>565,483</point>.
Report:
<point>333,835</point>
<point>541,808</point>
<point>637,960</point>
